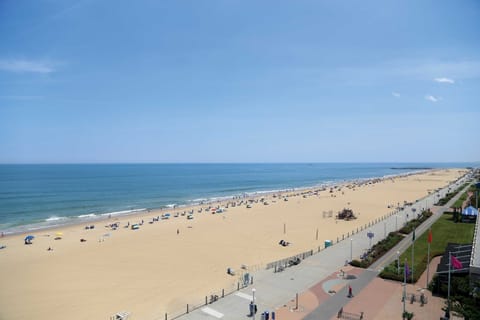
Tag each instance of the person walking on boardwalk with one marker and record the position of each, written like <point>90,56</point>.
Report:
<point>253,309</point>
<point>350,294</point>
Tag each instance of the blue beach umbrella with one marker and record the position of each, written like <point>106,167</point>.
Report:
<point>28,239</point>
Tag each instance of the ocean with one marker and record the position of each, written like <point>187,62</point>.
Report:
<point>38,196</point>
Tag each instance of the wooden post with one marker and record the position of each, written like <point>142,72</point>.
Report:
<point>187,307</point>
<point>165,316</point>
<point>206,300</point>
<point>316,238</point>
<point>296,301</point>
<point>223,293</point>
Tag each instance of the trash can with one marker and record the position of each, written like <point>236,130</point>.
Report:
<point>328,243</point>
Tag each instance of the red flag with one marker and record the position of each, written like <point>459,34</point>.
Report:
<point>456,264</point>
<point>429,239</point>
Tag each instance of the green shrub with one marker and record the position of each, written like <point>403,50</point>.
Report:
<point>378,250</point>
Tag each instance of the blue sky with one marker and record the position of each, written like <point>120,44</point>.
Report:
<point>239,81</point>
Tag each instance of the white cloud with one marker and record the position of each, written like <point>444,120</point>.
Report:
<point>26,66</point>
<point>396,94</point>
<point>444,80</point>
<point>432,98</point>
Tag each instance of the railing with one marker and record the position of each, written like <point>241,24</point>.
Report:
<point>208,299</point>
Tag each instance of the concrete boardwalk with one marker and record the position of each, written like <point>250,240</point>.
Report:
<point>315,276</point>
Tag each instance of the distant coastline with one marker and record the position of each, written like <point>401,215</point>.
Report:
<point>411,168</point>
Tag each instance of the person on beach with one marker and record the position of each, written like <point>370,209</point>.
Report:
<point>178,231</point>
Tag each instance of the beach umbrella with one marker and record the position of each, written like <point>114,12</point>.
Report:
<point>29,238</point>
<point>59,234</point>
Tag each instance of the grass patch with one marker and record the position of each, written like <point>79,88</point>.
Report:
<point>444,230</point>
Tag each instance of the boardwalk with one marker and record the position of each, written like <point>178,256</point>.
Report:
<point>317,288</point>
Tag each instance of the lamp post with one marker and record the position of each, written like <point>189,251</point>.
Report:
<point>398,262</point>
<point>351,249</point>
<point>396,225</point>
<point>253,299</point>
<point>384,229</point>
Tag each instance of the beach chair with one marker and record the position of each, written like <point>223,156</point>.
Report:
<point>121,316</point>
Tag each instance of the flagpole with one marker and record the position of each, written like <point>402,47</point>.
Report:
<point>413,249</point>
<point>404,284</point>
<point>449,271</point>
<point>429,241</point>
<point>428,263</point>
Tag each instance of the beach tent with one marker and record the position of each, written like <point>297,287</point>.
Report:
<point>469,214</point>
<point>470,211</point>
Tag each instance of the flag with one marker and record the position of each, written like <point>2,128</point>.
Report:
<point>456,264</point>
<point>407,269</point>
<point>413,238</point>
<point>429,239</point>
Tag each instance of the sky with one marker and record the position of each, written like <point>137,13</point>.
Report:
<point>239,81</point>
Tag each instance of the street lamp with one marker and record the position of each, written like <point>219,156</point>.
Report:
<point>351,249</point>
<point>398,262</point>
<point>396,225</point>
<point>253,299</point>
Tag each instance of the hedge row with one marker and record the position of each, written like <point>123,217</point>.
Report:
<point>378,250</point>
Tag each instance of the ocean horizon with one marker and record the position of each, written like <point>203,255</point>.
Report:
<point>36,196</point>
